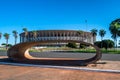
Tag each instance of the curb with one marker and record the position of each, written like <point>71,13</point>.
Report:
<point>61,67</point>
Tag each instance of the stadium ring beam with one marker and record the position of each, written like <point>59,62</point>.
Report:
<point>20,53</point>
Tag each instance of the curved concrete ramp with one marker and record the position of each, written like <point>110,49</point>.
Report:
<point>20,53</point>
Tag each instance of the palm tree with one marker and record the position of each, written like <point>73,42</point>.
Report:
<point>34,34</point>
<point>102,33</point>
<point>115,29</point>
<point>94,34</point>
<point>6,35</point>
<point>26,33</point>
<point>15,35</point>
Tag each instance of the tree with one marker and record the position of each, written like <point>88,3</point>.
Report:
<point>4,44</point>
<point>98,44</point>
<point>106,44</point>
<point>94,34</point>
<point>102,33</point>
<point>115,30</point>
<point>15,35</point>
<point>26,33</point>
<point>83,46</point>
<point>72,45</point>
<point>9,45</point>
<point>6,35</point>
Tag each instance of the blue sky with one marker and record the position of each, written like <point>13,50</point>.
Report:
<point>57,14</point>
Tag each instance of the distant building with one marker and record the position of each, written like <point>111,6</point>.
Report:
<point>46,35</point>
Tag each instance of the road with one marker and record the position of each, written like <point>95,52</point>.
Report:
<point>111,57</point>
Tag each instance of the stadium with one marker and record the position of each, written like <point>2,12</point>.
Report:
<point>46,35</point>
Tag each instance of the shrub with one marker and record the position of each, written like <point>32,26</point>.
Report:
<point>72,45</point>
<point>82,46</point>
<point>105,44</point>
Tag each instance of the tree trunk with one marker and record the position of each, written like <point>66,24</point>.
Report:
<point>6,43</point>
<point>15,41</point>
<point>116,43</point>
<point>101,41</point>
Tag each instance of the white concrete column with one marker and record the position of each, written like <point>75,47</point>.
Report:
<point>57,35</point>
<point>64,36</point>
<point>53,35</point>
<point>71,35</point>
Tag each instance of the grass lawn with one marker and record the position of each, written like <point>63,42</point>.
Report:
<point>110,51</point>
<point>93,51</point>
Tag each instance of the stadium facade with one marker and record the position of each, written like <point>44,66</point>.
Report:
<point>46,35</point>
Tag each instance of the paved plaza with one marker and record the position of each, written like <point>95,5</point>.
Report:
<point>8,72</point>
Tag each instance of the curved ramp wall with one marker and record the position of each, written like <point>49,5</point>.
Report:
<point>20,53</point>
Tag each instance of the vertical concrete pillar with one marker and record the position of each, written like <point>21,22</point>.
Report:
<point>20,38</point>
